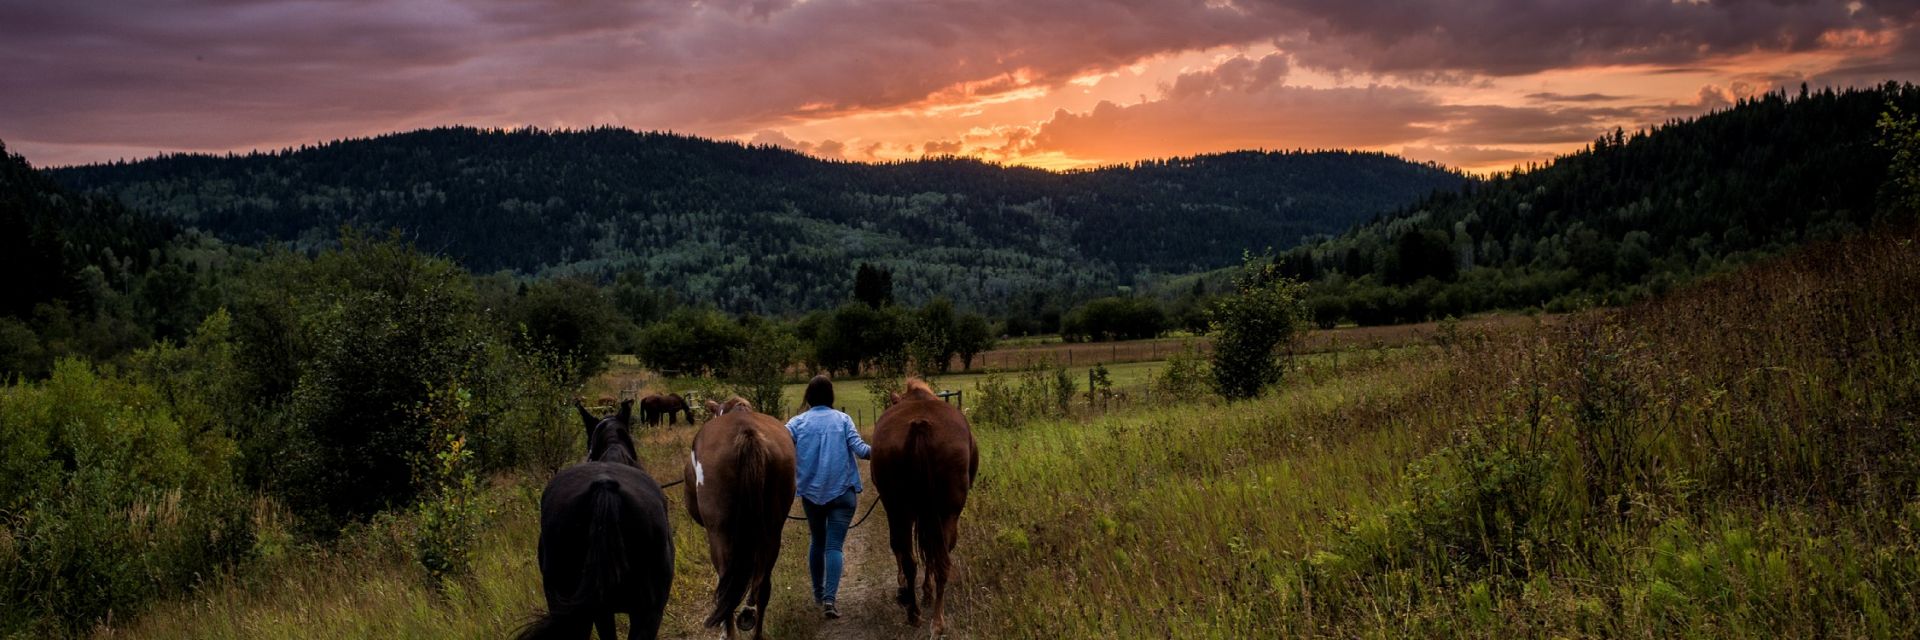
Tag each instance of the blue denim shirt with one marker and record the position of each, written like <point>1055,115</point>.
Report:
<point>826,443</point>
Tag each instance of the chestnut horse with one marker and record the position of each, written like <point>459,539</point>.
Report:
<point>924,462</point>
<point>605,543</point>
<point>740,484</point>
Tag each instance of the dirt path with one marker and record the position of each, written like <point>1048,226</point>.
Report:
<point>867,609</point>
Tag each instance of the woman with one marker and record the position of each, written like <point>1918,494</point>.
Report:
<point>828,485</point>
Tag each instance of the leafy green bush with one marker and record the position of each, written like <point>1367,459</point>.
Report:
<point>1186,377</point>
<point>1034,392</point>
<point>110,500</point>
<point>450,513</point>
<point>1263,312</point>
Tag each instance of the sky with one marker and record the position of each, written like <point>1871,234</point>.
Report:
<point>1480,85</point>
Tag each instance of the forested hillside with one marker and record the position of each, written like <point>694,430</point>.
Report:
<point>85,275</point>
<point>1629,216</point>
<point>765,229</point>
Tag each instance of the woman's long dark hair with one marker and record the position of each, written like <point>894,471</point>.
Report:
<point>819,392</point>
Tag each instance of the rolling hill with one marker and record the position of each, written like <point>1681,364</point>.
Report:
<point>1629,216</point>
<point>754,228</point>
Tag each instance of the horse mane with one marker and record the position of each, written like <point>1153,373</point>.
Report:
<point>614,447</point>
<point>735,402</point>
<point>916,385</point>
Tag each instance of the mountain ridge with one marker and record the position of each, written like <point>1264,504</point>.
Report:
<point>766,229</point>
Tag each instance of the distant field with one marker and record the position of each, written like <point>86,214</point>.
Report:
<point>1048,350</point>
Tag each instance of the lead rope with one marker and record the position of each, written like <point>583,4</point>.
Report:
<point>863,517</point>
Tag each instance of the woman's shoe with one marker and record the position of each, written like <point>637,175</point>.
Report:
<point>827,609</point>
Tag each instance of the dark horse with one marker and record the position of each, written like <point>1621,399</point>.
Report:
<point>924,462</point>
<point>605,544</point>
<point>739,485</point>
<point>670,406</point>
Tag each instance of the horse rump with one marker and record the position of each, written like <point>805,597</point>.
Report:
<point>602,571</point>
<point>743,528</point>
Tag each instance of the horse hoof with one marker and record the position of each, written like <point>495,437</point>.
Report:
<point>747,619</point>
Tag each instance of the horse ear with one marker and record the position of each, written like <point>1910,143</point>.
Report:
<point>893,397</point>
<point>626,411</point>
<point>586,417</point>
<point>713,408</point>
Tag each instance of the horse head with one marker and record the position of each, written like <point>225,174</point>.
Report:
<point>736,403</point>
<point>609,436</point>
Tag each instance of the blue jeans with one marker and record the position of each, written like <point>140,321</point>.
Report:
<point>828,523</point>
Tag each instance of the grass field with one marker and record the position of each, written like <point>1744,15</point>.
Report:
<point>1741,459</point>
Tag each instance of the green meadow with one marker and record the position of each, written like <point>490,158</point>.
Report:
<point>1738,459</point>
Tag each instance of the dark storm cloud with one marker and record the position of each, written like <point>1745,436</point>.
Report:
<point>1512,37</point>
<point>220,74</point>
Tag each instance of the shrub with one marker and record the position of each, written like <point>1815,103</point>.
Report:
<point>109,500</point>
<point>450,513</point>
<point>1186,377</point>
<point>1262,312</point>
<point>1034,392</point>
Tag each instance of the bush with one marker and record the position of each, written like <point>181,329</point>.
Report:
<point>341,350</point>
<point>109,500</point>
<point>1262,313</point>
<point>1186,377</point>
<point>1035,392</point>
<point>450,514</point>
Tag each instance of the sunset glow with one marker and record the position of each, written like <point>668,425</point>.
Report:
<point>1482,85</point>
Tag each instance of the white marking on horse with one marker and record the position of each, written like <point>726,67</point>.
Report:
<point>699,475</point>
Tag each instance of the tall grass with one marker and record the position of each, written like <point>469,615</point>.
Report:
<point>1738,459</point>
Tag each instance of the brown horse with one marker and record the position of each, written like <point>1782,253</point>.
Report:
<point>739,485</point>
<point>670,406</point>
<point>924,462</point>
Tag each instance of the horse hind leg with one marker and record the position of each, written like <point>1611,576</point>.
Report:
<point>757,607</point>
<point>644,623</point>
<point>603,624</point>
<point>939,565</point>
<point>900,537</point>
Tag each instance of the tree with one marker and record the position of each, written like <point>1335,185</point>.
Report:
<point>757,366</point>
<point>343,349</point>
<point>640,303</point>
<point>572,318</point>
<point>1262,312</point>
<point>690,342</point>
<point>971,336</point>
<point>873,285</point>
<point>933,342</point>
<point>1900,135</point>
<point>1115,318</point>
<point>1421,254</point>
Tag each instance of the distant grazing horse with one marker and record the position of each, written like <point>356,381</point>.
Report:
<point>924,462</point>
<point>740,478</point>
<point>655,406</point>
<point>605,544</point>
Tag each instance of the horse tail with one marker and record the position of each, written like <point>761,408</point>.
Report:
<point>926,520</point>
<point>599,573</point>
<point>606,546</point>
<point>744,527</point>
